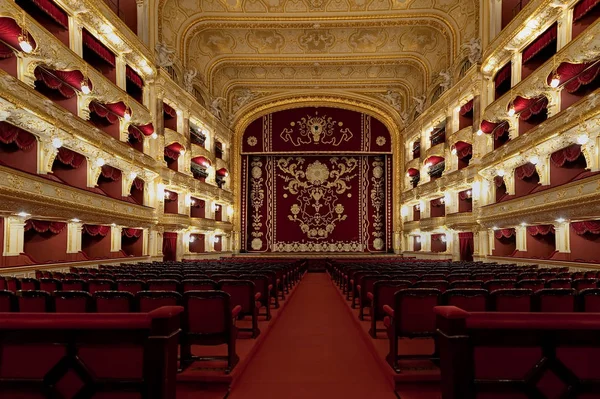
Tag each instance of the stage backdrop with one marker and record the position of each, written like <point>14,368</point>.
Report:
<point>316,180</point>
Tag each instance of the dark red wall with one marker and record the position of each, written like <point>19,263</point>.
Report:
<point>76,177</point>
<point>97,246</point>
<point>584,248</point>
<point>25,160</point>
<point>132,246</point>
<point>198,245</point>
<point>505,246</point>
<point>46,247</point>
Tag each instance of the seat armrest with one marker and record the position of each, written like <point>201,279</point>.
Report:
<point>257,296</point>
<point>370,295</point>
<point>358,288</point>
<point>388,310</point>
<point>236,311</point>
<point>270,287</point>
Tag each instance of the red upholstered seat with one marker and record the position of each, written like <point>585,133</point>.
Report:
<point>441,285</point>
<point>555,300</point>
<point>209,320</point>
<point>483,276</point>
<point>465,284</point>
<point>3,284</point>
<point>147,276</point>
<point>547,275</point>
<point>163,285</point>
<point>584,283</point>
<point>493,285</point>
<point>364,288</point>
<point>29,284</point>
<point>133,286</point>
<point>512,300</point>
<point>147,301</point>
<point>383,294</point>
<point>49,285</point>
<point>114,302</point>
<point>508,276</point>
<point>8,301</point>
<point>242,293</point>
<point>33,301</point>
<point>354,282</point>
<point>589,300</point>
<point>198,285</point>
<point>532,284</point>
<point>171,276</point>
<point>469,299</point>
<point>411,316</point>
<point>434,277</point>
<point>221,276</point>
<point>72,302</point>
<point>12,284</point>
<point>99,284</point>
<point>559,283</point>
<point>262,286</point>
<point>458,277</point>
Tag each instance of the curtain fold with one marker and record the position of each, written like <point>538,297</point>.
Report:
<point>138,183</point>
<point>13,134</point>
<point>53,11</point>
<point>503,74</point>
<point>111,173</point>
<point>542,41</point>
<point>9,34</point>
<point>463,195</point>
<point>65,82</point>
<point>437,202</point>
<point>169,246</point>
<point>567,154</point>
<point>133,77</point>
<point>98,47</point>
<point>104,112</point>
<point>525,171</point>
<point>586,226</point>
<point>465,109</point>
<point>582,8</point>
<point>573,76</point>
<point>42,226</point>
<point>504,233</point>
<point>466,246</point>
<point>497,129</point>
<point>498,181</point>
<point>171,196</point>
<point>169,111</point>
<point>543,230</point>
<point>412,172</point>
<point>463,149</point>
<point>131,233</point>
<point>94,230</point>
<point>69,157</point>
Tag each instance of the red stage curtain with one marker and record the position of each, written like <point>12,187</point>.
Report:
<point>98,47</point>
<point>171,196</point>
<point>66,82</point>
<point>169,111</point>
<point>111,173</point>
<point>134,77</point>
<point>498,129</point>
<point>94,230</point>
<point>138,183</point>
<point>587,226</point>
<point>9,34</point>
<point>53,11</point>
<point>130,233</point>
<point>69,157</point>
<point>570,153</point>
<point>170,246</point>
<point>540,43</point>
<point>463,149</point>
<point>499,181</point>
<point>503,74</point>
<point>543,230</point>
<point>504,233</point>
<point>466,246</point>
<point>465,109</point>
<point>582,8</point>
<point>525,171</point>
<point>42,226</point>
<point>13,134</point>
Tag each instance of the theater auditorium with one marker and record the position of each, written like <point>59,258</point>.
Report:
<point>299,199</point>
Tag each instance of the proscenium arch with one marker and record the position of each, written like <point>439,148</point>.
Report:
<point>334,100</point>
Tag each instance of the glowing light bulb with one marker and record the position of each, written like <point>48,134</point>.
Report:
<point>429,164</point>
<point>100,162</point>
<point>583,139</point>
<point>216,239</point>
<point>479,132</point>
<point>56,142</point>
<point>457,109</point>
<point>133,175</point>
<point>418,239</point>
<point>24,43</point>
<point>500,172</point>
<point>85,87</point>
<point>192,238</point>
<point>511,110</point>
<point>154,136</point>
<point>407,174</point>
<point>534,160</point>
<point>454,151</point>
<point>560,220</point>
<point>469,193</point>
<point>181,152</point>
<point>75,220</point>
<point>127,115</point>
<point>443,238</point>
<point>523,224</point>
<point>23,214</point>
<point>555,81</point>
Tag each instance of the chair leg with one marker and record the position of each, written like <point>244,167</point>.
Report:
<point>232,357</point>
<point>255,329</point>
<point>392,356</point>
<point>268,307</point>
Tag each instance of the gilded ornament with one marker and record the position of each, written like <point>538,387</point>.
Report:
<point>252,141</point>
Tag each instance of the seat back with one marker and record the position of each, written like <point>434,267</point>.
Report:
<point>433,277</point>
<point>8,301</point>
<point>589,300</point>
<point>162,285</point>
<point>147,301</point>
<point>493,285</point>
<point>207,314</point>
<point>114,302</point>
<point>221,276</point>
<point>458,277</point>
<point>532,284</point>
<point>555,300</point>
<point>367,282</point>
<point>465,284</point>
<point>49,284</point>
<point>29,284</point>
<point>261,284</point>
<point>33,301</point>
<point>198,285</point>
<point>133,286</point>
<point>512,300</point>
<point>241,293</point>
<point>72,302</point>
<point>413,311</point>
<point>584,283</point>
<point>559,283</point>
<point>98,284</point>
<point>469,299</point>
<point>440,285</point>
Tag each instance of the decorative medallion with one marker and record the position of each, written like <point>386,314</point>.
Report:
<point>380,141</point>
<point>316,129</point>
<point>252,141</point>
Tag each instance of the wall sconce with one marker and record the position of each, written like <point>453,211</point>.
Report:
<point>216,239</point>
<point>215,207</point>
<point>443,238</point>
<point>57,143</point>
<point>132,175</point>
<point>100,162</point>
<point>192,238</point>
<point>418,239</point>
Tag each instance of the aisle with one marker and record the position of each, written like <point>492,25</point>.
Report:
<point>314,351</point>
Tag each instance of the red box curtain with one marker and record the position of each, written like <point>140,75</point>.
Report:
<point>12,134</point>
<point>139,131</point>
<point>586,226</point>
<point>573,76</point>
<point>67,83</point>
<point>69,157</point>
<point>171,196</point>
<point>110,173</point>
<point>540,230</point>
<point>94,230</point>
<point>463,150</point>
<point>168,111</point>
<point>138,184</point>
<point>464,195</point>
<point>503,74</point>
<point>525,171</point>
<point>497,129</point>
<point>466,246</point>
<point>131,233</point>
<point>98,48</point>
<point>53,11</point>
<point>172,151</point>
<point>133,77</point>
<point>42,226</point>
<point>504,233</point>
<point>9,37</point>
<point>570,154</point>
<point>540,43</point>
<point>527,107</point>
<point>583,7</point>
<point>498,181</point>
<point>465,109</point>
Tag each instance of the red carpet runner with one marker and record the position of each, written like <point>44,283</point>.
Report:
<point>314,351</point>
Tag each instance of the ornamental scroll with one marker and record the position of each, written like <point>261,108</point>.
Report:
<point>316,203</point>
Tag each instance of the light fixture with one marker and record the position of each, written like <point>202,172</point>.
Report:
<point>443,238</point>
<point>495,228</point>
<point>154,135</point>
<point>24,42</point>
<point>418,239</point>
<point>583,139</point>
<point>407,174</point>
<point>100,162</point>
<point>457,109</point>
<point>133,175</point>
<point>454,151</point>
<point>215,207</point>
<point>442,201</point>
<point>500,172</point>
<point>192,202</point>
<point>555,80</point>
<point>560,220</point>
<point>167,195</point>
<point>523,224</point>
<point>127,115</point>
<point>57,143</point>
<point>192,238</point>
<point>182,151</point>
<point>216,239</point>
<point>469,193</point>
<point>479,132</point>
<point>85,86</point>
<point>511,110</point>
<point>113,224</point>
<point>75,220</point>
<point>534,160</point>
<point>418,207</point>
<point>428,164</point>
<point>23,214</point>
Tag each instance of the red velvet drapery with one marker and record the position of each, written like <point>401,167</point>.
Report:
<point>131,233</point>
<point>69,157</point>
<point>172,151</point>
<point>434,160</point>
<point>139,131</point>
<point>463,149</point>
<point>504,233</point>
<point>437,202</point>
<point>543,230</point>
<point>98,47</point>
<point>540,43</point>
<point>138,183</point>
<point>169,246</point>
<point>53,11</point>
<point>465,109</point>
<point>466,246</point>
<point>573,76</point>
<point>586,226</point>
<point>503,74</point>
<point>42,226</point>
<point>527,107</point>
<point>171,196</point>
<point>497,129</point>
<point>67,83</point>
<point>582,8</point>
<point>525,171</point>
<point>463,195</point>
<point>222,172</point>
<point>13,134</point>
<point>110,112</point>
<point>111,173</point>
<point>133,77</point>
<point>412,172</point>
<point>168,111</point>
<point>9,34</point>
<point>202,161</point>
<point>570,154</point>
<point>94,230</point>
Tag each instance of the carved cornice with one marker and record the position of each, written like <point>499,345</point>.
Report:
<point>439,186</point>
<point>461,221</point>
<point>577,200</point>
<point>46,198</point>
<point>428,224</point>
<point>412,225</point>
<point>464,134</point>
<point>174,222</point>
<point>184,183</point>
